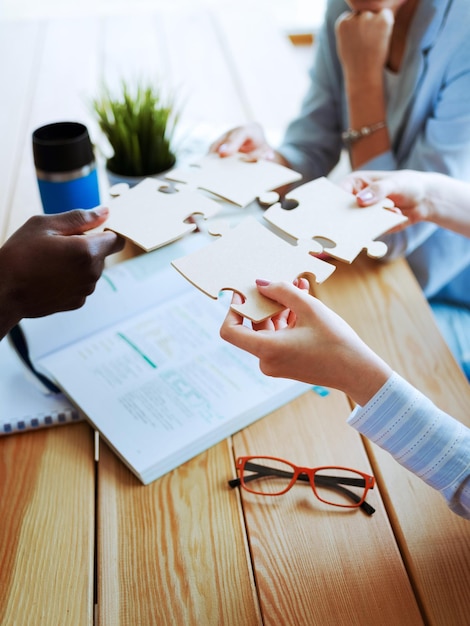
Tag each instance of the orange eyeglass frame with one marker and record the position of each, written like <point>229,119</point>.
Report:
<point>305,474</point>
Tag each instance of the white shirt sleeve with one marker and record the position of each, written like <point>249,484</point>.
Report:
<point>428,442</point>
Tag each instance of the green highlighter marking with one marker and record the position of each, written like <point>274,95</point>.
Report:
<point>107,279</point>
<point>134,347</point>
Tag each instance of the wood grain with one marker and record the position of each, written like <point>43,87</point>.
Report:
<point>173,552</point>
<point>315,564</point>
<point>187,549</point>
<point>47,530</point>
<point>386,307</point>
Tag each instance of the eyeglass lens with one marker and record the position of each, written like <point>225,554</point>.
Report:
<point>333,485</point>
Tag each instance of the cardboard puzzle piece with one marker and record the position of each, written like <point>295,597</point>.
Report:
<point>153,213</point>
<point>245,253</point>
<point>234,178</point>
<point>327,212</point>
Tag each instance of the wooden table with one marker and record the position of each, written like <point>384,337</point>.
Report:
<point>84,541</point>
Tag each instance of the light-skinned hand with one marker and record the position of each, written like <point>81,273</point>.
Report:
<point>363,43</point>
<point>421,196</point>
<point>250,140</point>
<point>308,342</point>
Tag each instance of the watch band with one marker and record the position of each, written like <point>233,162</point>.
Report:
<point>351,135</point>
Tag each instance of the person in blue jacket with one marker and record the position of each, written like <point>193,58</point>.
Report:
<point>390,83</point>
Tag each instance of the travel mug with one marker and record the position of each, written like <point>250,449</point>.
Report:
<point>65,167</point>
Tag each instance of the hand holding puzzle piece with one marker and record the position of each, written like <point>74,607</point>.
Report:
<point>245,253</point>
<point>326,211</point>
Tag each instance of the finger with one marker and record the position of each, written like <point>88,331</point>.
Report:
<point>78,221</point>
<point>302,283</point>
<point>376,191</point>
<point>105,243</point>
<point>233,331</point>
<point>215,145</point>
<point>354,183</point>
<point>389,16</point>
<point>265,152</point>
<point>235,141</point>
<point>287,294</point>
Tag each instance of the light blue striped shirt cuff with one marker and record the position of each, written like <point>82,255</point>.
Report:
<point>421,437</point>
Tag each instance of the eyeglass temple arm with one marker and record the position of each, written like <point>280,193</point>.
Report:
<point>330,481</point>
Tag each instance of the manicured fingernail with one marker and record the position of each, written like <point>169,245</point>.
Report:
<point>101,210</point>
<point>223,147</point>
<point>262,283</point>
<point>366,195</point>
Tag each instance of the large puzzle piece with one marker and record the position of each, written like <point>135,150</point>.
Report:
<point>245,253</point>
<point>152,214</point>
<point>326,211</point>
<point>234,178</point>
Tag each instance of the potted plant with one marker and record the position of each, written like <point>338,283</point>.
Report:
<point>139,123</point>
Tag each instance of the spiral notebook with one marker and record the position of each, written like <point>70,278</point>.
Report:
<point>24,404</point>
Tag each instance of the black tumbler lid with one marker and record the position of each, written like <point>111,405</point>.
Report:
<point>62,147</point>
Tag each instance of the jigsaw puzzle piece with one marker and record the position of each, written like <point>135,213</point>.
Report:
<point>234,178</point>
<point>324,211</point>
<point>152,214</point>
<point>245,253</point>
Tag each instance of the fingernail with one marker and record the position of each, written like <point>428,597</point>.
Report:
<point>101,210</point>
<point>262,283</point>
<point>365,195</point>
<point>223,147</point>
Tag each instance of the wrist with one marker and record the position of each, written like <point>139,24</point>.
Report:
<point>433,197</point>
<point>359,85</point>
<point>369,374</point>
<point>351,135</point>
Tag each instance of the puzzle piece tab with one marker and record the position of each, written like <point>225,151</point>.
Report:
<point>153,213</point>
<point>326,211</point>
<point>234,178</point>
<point>245,253</point>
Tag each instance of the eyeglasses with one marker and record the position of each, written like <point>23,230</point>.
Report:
<point>338,486</point>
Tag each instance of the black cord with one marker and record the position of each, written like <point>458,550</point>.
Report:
<point>18,341</point>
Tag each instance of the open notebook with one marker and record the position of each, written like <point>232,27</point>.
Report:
<point>144,361</point>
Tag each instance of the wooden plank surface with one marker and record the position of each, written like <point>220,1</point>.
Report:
<point>178,551</point>
<point>173,552</point>
<point>314,563</point>
<point>48,477</point>
<point>384,305</point>
<point>47,531</point>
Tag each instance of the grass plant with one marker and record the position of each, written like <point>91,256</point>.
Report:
<point>139,123</point>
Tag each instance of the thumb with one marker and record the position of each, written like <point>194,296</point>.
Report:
<point>287,294</point>
<point>375,192</point>
<point>79,221</point>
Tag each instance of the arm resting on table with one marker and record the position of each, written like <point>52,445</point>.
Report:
<point>421,437</point>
